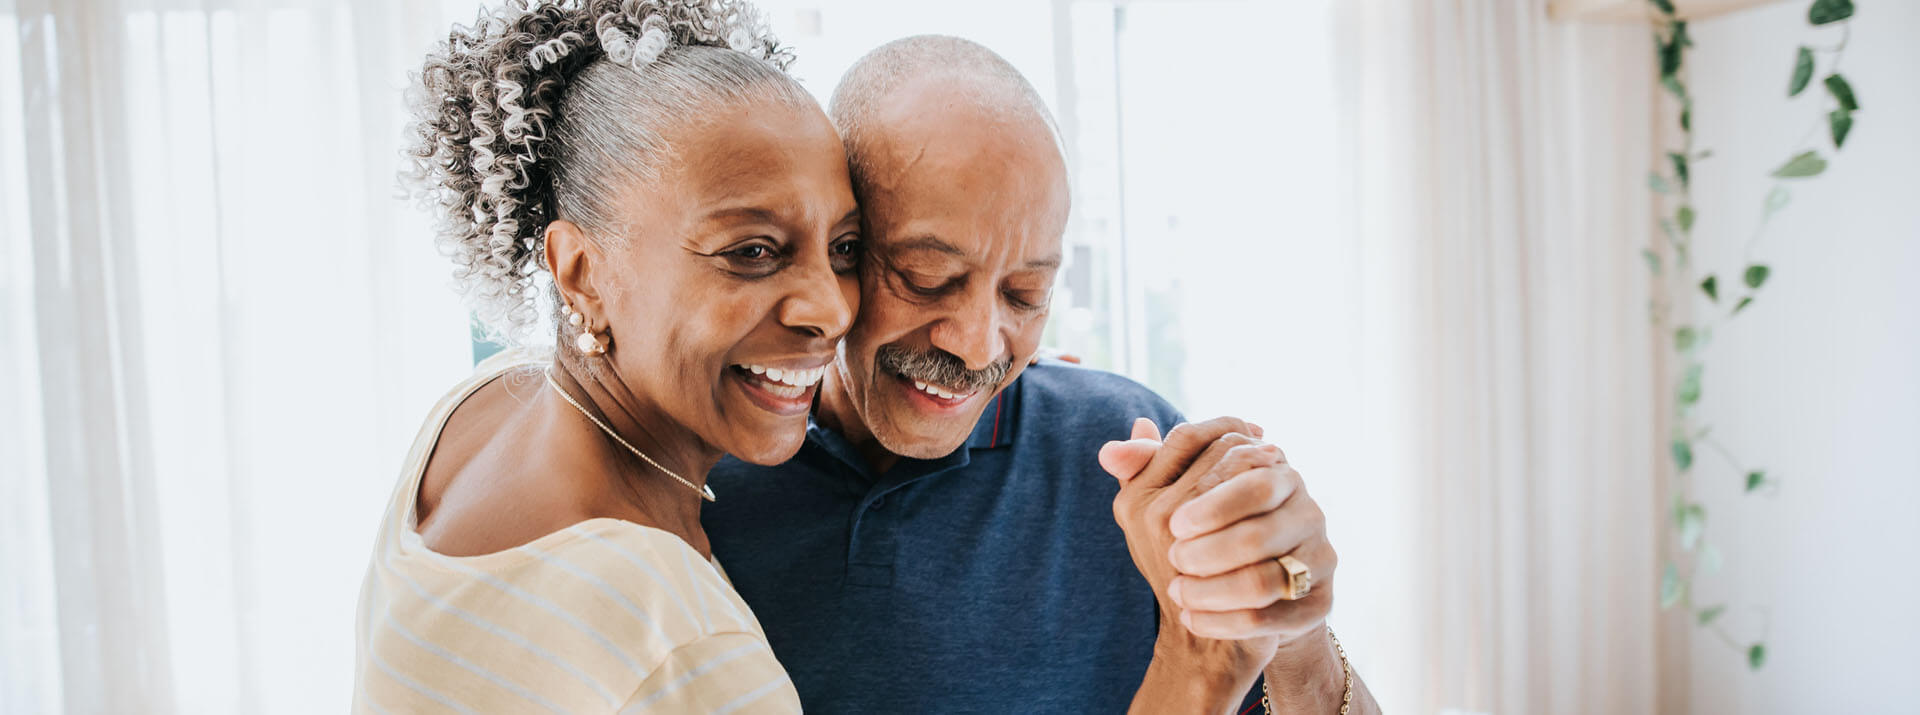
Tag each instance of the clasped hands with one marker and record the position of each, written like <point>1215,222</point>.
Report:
<point>1207,512</point>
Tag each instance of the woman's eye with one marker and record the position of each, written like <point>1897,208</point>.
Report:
<point>845,255</point>
<point>753,260</point>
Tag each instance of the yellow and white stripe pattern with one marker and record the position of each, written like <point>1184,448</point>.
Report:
<point>603,616</point>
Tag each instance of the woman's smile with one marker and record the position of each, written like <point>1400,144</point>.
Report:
<point>784,387</point>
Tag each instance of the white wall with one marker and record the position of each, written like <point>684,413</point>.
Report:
<point>1819,381</point>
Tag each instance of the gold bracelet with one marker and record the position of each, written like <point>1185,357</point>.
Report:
<point>1346,697</point>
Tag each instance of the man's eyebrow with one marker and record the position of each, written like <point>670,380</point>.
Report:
<point>1052,261</point>
<point>928,242</point>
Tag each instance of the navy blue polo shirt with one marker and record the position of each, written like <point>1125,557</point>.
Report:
<point>992,580</point>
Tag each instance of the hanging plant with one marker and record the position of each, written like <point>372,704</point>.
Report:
<point>1692,555</point>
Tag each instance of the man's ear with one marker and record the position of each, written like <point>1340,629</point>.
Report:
<point>570,258</point>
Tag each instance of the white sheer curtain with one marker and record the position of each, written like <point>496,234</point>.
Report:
<point>219,331</point>
<point>1500,164</point>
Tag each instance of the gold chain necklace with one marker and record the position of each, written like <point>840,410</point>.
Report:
<point>705,491</point>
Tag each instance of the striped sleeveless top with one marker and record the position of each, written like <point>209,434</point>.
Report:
<point>603,616</point>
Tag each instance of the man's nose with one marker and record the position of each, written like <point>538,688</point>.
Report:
<point>972,331</point>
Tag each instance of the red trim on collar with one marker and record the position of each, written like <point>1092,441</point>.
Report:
<point>999,401</point>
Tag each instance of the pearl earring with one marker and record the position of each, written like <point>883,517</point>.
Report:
<point>587,343</point>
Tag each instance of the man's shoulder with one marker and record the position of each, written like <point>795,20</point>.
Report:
<point>1060,394</point>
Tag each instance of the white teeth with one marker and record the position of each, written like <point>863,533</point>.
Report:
<point>935,390</point>
<point>796,378</point>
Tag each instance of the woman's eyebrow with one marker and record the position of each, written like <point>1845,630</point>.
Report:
<point>753,213</point>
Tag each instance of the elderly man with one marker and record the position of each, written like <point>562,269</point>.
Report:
<point>944,542</point>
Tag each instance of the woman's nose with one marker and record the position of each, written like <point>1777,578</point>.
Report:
<point>817,306</point>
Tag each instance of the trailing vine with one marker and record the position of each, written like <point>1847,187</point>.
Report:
<point>1692,555</point>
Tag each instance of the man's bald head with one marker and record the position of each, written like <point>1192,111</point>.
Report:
<point>935,73</point>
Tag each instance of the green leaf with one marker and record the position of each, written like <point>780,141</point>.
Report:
<point>1756,479</point>
<point>1685,217</point>
<point>1756,655</point>
<point>1690,390</point>
<point>1842,92</point>
<point>1670,55</point>
<point>1680,167</point>
<point>1756,275</point>
<point>1804,164</point>
<point>1658,183</point>
<point>1777,199</point>
<point>1665,6</point>
<point>1653,260</point>
<point>1686,118</point>
<point>1674,86</point>
<point>1841,122</point>
<point>1682,454</point>
<point>1829,11</point>
<point>1693,523</point>
<point>1711,287</point>
<point>1742,305</point>
<point>1670,586</point>
<point>1684,338</point>
<point>1802,72</point>
<point>1711,612</point>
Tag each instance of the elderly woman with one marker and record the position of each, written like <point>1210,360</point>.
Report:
<point>688,204</point>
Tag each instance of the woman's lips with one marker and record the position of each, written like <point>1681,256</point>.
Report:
<point>783,392</point>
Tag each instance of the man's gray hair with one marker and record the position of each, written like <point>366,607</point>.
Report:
<point>975,73</point>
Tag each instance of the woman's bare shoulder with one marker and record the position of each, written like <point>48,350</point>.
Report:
<point>493,482</point>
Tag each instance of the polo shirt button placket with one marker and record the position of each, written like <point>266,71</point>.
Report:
<point>871,561</point>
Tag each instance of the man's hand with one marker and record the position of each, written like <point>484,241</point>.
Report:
<point>1191,671</point>
<point>1221,508</point>
<point>1231,511</point>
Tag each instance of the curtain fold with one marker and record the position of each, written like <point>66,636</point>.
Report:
<point>217,343</point>
<point>1499,171</point>
<point>218,340</point>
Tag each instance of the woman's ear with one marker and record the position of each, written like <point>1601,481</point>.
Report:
<point>570,257</point>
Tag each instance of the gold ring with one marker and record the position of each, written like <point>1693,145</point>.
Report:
<point>1299,578</point>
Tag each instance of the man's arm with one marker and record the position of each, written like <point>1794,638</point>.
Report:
<point>1230,506</point>
<point>1306,676</point>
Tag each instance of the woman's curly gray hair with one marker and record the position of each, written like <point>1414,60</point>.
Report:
<point>545,109</point>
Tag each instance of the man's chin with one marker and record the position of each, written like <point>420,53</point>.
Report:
<point>910,434</point>
<point>915,444</point>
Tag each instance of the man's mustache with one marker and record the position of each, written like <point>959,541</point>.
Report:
<point>939,367</point>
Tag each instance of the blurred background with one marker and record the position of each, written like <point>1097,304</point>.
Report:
<point>1463,259</point>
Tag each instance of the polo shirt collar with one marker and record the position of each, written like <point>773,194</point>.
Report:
<point>999,422</point>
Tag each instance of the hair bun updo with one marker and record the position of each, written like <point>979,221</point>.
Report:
<point>493,153</point>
